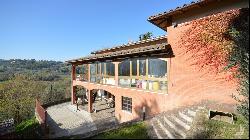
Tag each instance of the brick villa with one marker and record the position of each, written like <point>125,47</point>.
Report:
<point>155,75</point>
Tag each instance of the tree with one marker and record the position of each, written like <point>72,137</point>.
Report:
<point>239,57</point>
<point>17,98</point>
<point>145,36</point>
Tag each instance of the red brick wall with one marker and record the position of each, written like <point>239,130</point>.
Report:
<point>41,112</point>
<point>190,83</point>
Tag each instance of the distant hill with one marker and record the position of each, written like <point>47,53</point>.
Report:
<point>36,67</point>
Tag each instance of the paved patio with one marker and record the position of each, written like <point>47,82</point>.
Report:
<point>104,116</point>
<point>65,120</point>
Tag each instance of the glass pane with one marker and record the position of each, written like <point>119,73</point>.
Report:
<point>102,68</point>
<point>93,69</point>
<point>129,106</point>
<point>134,67</point>
<point>124,68</point>
<point>98,68</point>
<point>93,79</point>
<point>124,82</point>
<point>154,85</point>
<point>110,69</point>
<point>133,82</point>
<point>98,79</point>
<point>142,67</point>
<point>157,68</point>
<point>163,85</point>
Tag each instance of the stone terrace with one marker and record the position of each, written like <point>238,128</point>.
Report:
<point>65,120</point>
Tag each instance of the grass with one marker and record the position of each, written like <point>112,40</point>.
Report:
<point>27,128</point>
<point>206,128</point>
<point>135,131</point>
<point>224,130</point>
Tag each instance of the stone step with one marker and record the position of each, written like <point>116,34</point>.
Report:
<point>181,122</point>
<point>156,132</point>
<point>191,112</point>
<point>167,132</point>
<point>178,132</point>
<point>186,117</point>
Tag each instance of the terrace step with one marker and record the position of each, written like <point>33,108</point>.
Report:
<point>173,125</point>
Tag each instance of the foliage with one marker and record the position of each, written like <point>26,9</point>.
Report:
<point>135,131</point>
<point>27,80</point>
<point>56,91</point>
<point>219,44</point>
<point>207,42</point>
<point>41,70</point>
<point>221,130</point>
<point>28,129</point>
<point>25,125</point>
<point>80,91</point>
<point>17,98</point>
<point>239,56</point>
<point>145,36</point>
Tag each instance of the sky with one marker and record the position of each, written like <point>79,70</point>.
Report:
<point>66,29</point>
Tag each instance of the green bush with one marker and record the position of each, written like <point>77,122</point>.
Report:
<point>27,126</point>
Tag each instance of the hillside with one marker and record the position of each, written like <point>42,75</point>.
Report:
<point>26,80</point>
<point>37,68</point>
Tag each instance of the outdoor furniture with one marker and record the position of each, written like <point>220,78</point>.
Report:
<point>110,102</point>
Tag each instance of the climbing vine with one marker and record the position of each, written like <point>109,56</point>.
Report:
<point>220,43</point>
<point>208,41</point>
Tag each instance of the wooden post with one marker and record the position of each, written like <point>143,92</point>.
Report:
<point>90,102</point>
<point>73,88</point>
<point>73,94</point>
<point>116,73</point>
<point>73,72</point>
<point>88,72</point>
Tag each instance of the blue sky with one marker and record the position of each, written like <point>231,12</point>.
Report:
<point>67,29</point>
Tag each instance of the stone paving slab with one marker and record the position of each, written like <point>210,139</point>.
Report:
<point>65,120</point>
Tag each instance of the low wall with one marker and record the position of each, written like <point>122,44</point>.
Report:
<point>56,102</point>
<point>41,113</point>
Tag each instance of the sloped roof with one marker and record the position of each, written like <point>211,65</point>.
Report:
<point>179,8</point>
<point>164,19</point>
<point>130,44</point>
<point>123,53</point>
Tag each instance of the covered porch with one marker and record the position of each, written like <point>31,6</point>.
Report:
<point>124,71</point>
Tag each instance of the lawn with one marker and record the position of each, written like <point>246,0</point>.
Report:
<point>204,128</point>
<point>135,131</point>
<point>223,130</point>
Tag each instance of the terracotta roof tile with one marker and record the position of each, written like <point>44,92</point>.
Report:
<point>171,11</point>
<point>130,44</point>
<point>150,48</point>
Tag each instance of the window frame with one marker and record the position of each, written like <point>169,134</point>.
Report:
<point>127,104</point>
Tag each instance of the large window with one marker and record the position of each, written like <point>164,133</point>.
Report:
<point>144,73</point>
<point>157,74</point>
<point>93,72</point>
<point>124,68</point>
<point>142,67</point>
<point>124,73</point>
<point>157,68</point>
<point>102,73</point>
<point>134,67</point>
<point>110,69</point>
<point>127,104</point>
